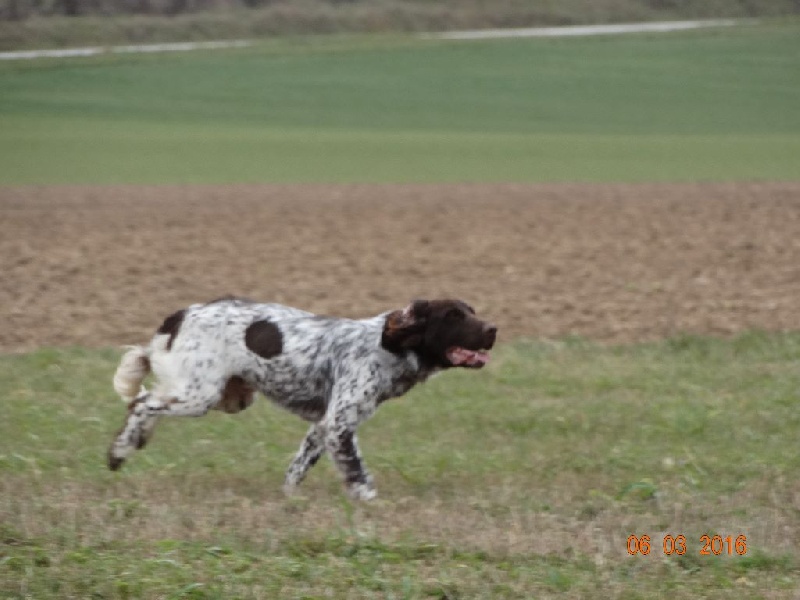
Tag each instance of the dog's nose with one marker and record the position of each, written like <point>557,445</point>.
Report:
<point>490,331</point>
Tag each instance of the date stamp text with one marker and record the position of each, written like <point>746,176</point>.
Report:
<point>708,545</point>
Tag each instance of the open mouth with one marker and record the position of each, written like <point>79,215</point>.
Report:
<point>462,357</point>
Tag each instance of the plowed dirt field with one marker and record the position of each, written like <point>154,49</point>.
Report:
<point>100,266</point>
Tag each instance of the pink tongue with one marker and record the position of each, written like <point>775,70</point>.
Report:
<point>462,356</point>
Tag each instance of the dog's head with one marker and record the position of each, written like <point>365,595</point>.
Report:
<point>444,333</point>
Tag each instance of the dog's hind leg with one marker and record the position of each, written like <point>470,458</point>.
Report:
<point>193,399</point>
<point>135,431</point>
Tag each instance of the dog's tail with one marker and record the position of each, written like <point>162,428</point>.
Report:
<point>132,369</point>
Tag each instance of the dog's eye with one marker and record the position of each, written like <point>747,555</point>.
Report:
<point>455,315</point>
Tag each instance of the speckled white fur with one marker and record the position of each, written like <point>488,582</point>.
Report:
<point>331,372</point>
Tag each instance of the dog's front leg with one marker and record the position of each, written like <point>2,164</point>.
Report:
<point>342,445</point>
<point>352,403</point>
<point>310,450</point>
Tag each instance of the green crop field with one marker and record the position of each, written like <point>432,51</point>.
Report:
<point>524,480</point>
<point>711,105</point>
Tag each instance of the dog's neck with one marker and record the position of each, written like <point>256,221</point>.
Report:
<point>410,371</point>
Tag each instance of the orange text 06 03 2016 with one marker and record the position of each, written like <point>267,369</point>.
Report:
<point>708,545</point>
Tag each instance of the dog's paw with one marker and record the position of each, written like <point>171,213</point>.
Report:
<point>289,489</point>
<point>114,462</point>
<point>363,492</point>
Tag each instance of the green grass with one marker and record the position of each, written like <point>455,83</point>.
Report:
<point>713,105</point>
<point>522,480</point>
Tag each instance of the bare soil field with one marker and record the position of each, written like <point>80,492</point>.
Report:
<point>101,266</point>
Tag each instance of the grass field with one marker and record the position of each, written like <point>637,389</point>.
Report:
<point>523,480</point>
<point>716,105</point>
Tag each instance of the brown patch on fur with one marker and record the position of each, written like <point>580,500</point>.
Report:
<point>264,338</point>
<point>172,325</point>
<point>236,396</point>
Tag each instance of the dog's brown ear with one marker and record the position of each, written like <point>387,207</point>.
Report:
<point>416,312</point>
<point>404,328</point>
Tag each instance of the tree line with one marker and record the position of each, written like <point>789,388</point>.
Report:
<point>20,9</point>
<point>513,11</point>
